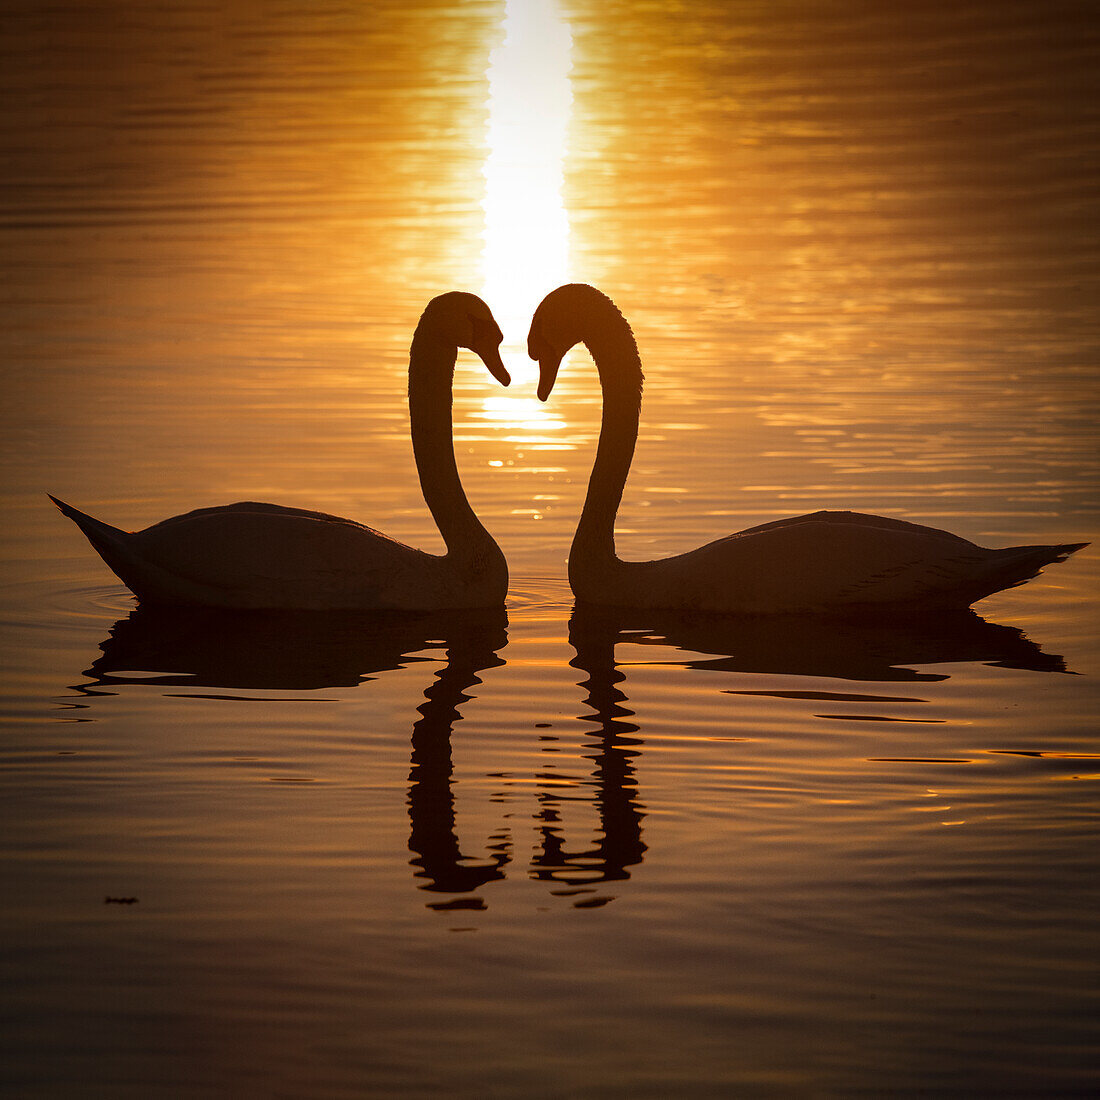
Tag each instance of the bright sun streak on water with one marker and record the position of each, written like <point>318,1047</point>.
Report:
<point>526,250</point>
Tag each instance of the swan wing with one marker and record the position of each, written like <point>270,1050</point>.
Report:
<point>249,507</point>
<point>253,555</point>
<point>861,520</point>
<point>818,564</point>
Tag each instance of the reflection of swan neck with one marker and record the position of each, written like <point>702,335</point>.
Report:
<point>621,813</point>
<point>431,378</point>
<point>432,835</point>
<point>612,346</point>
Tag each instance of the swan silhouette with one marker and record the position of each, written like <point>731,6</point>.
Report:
<point>251,555</point>
<point>823,562</point>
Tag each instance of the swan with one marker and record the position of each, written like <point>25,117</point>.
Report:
<point>823,562</point>
<point>251,555</point>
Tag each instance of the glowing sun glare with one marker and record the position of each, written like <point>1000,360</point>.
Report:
<point>526,250</point>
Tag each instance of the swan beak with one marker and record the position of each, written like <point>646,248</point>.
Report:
<point>549,361</point>
<point>490,356</point>
<point>548,374</point>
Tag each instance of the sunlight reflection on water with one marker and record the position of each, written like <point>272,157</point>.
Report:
<point>526,250</point>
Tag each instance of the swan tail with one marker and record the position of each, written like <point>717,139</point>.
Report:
<point>1019,564</point>
<point>109,542</point>
<point>97,532</point>
<point>1031,559</point>
<point>1062,552</point>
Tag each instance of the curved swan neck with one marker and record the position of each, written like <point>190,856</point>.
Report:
<point>431,379</point>
<point>612,347</point>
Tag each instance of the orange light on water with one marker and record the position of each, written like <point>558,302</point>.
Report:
<point>531,423</point>
<point>526,251</point>
<point>524,412</point>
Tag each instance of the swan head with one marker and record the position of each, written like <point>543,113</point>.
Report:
<point>573,314</point>
<point>465,321</point>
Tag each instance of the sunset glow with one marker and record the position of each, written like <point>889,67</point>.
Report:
<point>526,250</point>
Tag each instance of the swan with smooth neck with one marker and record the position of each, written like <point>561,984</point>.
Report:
<point>253,555</point>
<point>826,561</point>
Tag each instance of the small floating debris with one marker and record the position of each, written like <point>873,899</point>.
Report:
<point>108,900</point>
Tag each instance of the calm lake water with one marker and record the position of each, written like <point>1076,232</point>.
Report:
<point>550,853</point>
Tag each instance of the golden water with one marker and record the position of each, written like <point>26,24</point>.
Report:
<point>549,854</point>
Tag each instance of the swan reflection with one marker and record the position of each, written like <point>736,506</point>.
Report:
<point>265,651</point>
<point>853,648</point>
<point>287,650</point>
<point>619,844</point>
<point>272,650</point>
<point>827,647</point>
<point>472,647</point>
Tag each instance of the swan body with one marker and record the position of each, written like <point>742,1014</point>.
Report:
<point>822,562</point>
<point>252,555</point>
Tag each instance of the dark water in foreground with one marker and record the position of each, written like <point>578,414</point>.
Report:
<point>544,852</point>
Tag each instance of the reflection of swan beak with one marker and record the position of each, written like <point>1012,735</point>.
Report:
<point>548,361</point>
<point>490,356</point>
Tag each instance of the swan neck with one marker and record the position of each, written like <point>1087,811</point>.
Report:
<point>616,357</point>
<point>431,381</point>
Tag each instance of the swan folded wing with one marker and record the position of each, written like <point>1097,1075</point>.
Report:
<point>863,520</point>
<point>252,507</point>
<point>241,556</point>
<point>819,564</point>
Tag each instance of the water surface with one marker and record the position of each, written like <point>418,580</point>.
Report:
<point>546,851</point>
